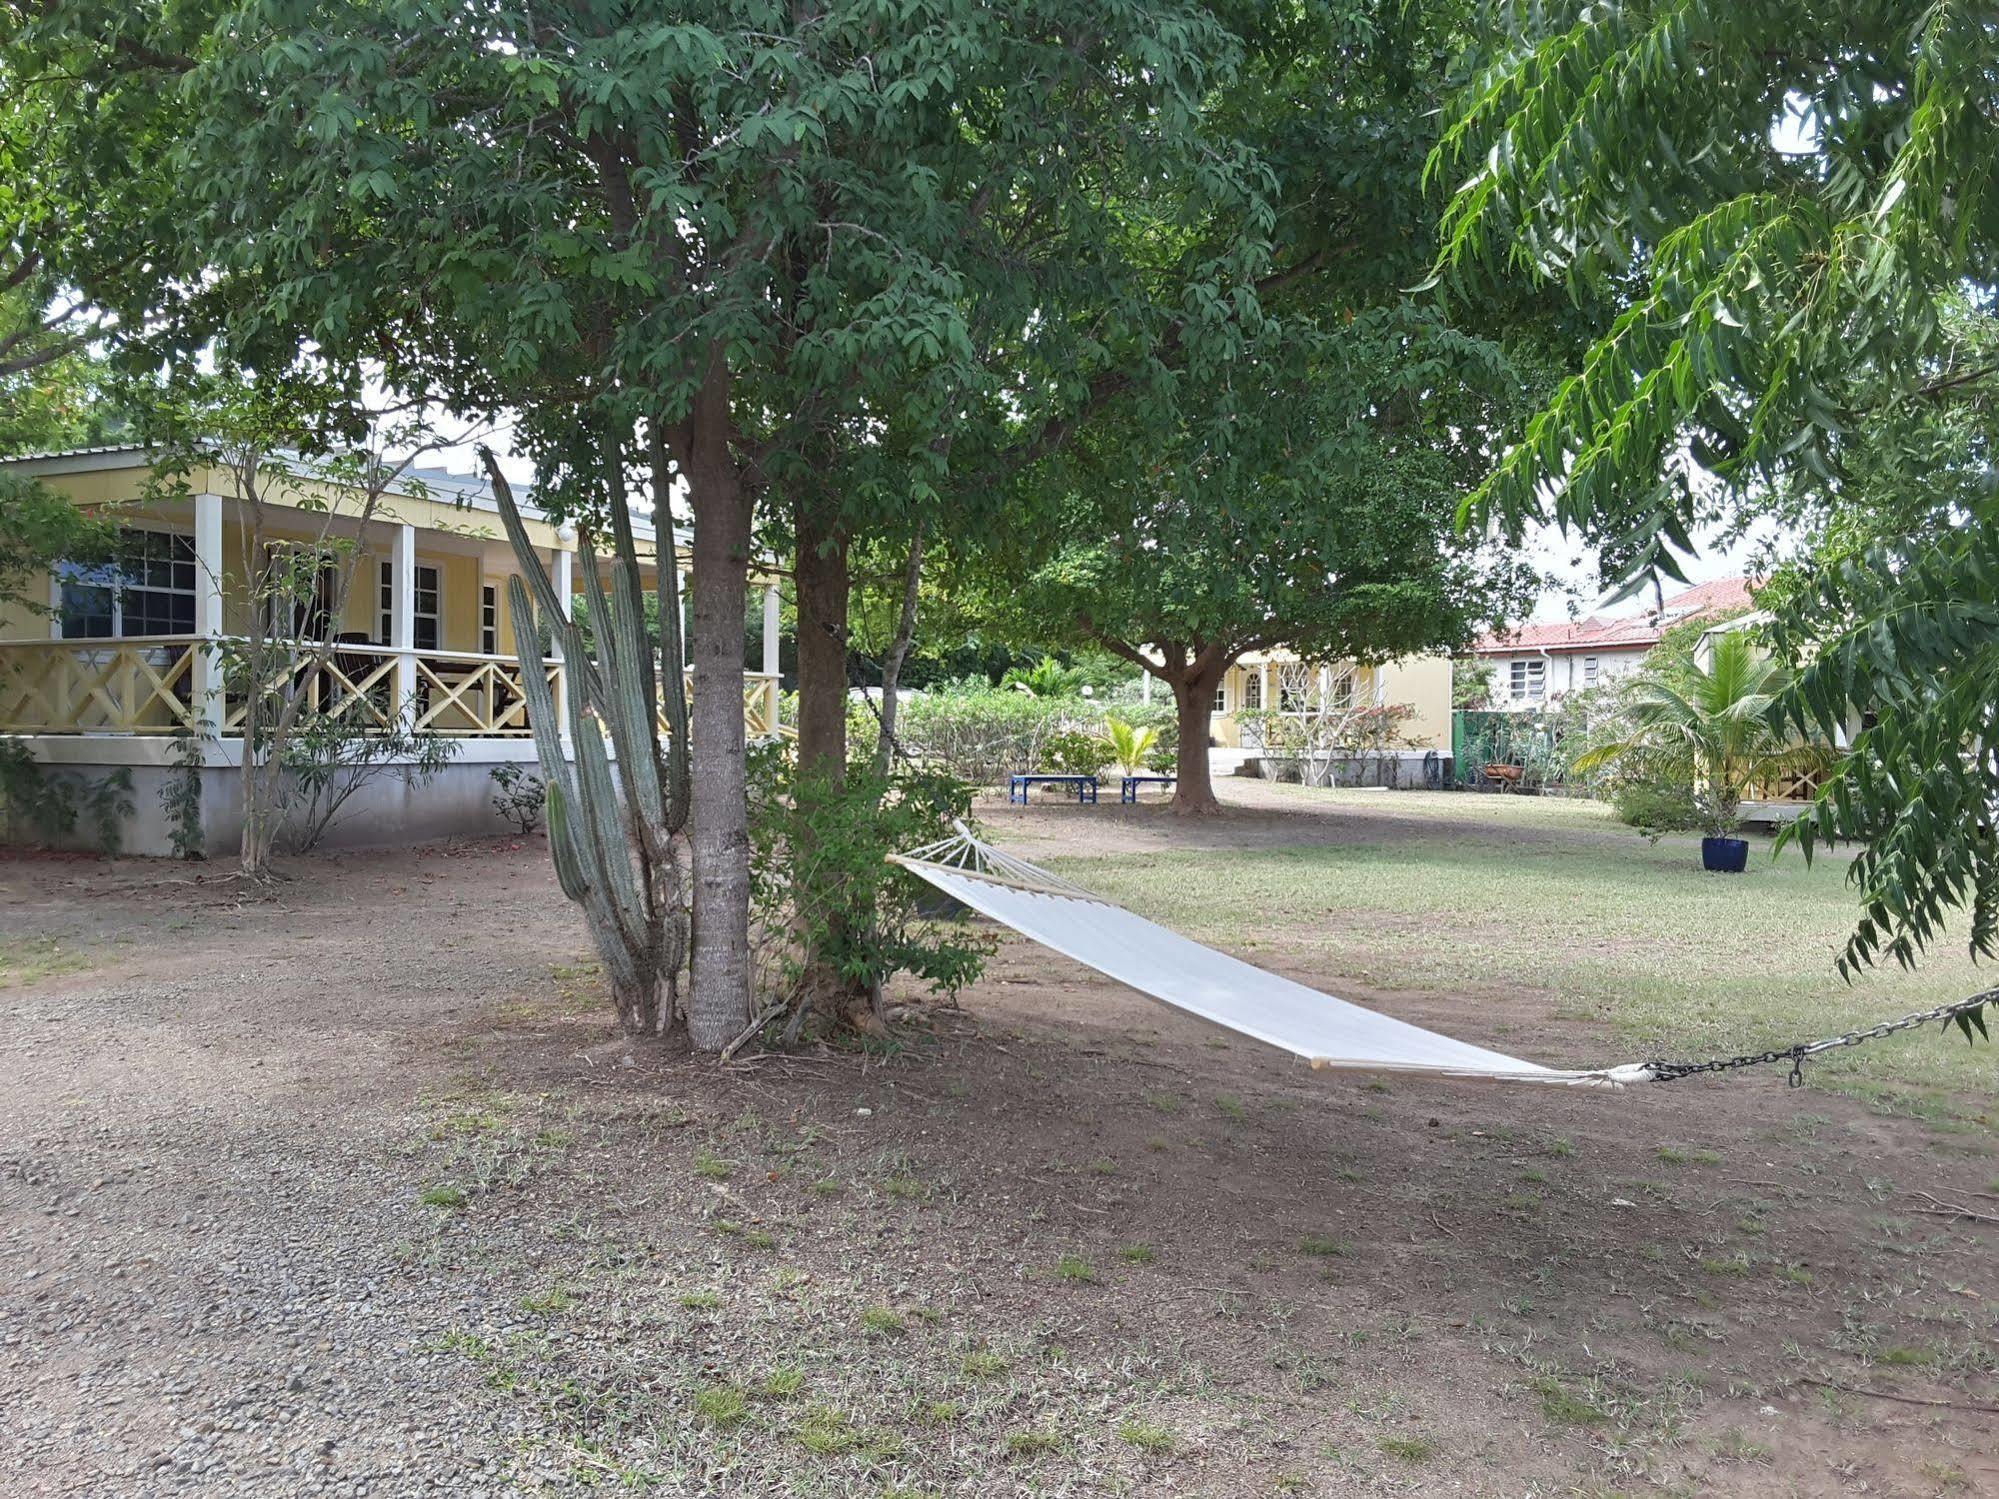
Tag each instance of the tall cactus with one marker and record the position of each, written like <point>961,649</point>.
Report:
<point>616,830</point>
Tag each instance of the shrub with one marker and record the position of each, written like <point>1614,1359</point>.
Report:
<point>821,881</point>
<point>180,794</point>
<point>1662,805</point>
<point>329,757</point>
<point>47,806</point>
<point>519,795</point>
<point>981,736</point>
<point>1074,752</point>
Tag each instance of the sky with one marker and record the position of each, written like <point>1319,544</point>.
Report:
<point>1570,564</point>
<point>1574,568</point>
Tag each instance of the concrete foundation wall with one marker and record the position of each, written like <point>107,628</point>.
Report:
<point>389,808</point>
<point>1400,770</point>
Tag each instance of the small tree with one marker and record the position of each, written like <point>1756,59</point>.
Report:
<point>328,757</point>
<point>1131,747</point>
<point>1723,719</point>
<point>278,440</point>
<point>1330,730</point>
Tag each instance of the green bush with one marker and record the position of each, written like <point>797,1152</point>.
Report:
<point>1656,806</point>
<point>984,734</point>
<point>821,881</point>
<point>981,736</point>
<point>1074,752</point>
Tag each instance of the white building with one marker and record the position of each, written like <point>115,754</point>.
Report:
<point>1535,665</point>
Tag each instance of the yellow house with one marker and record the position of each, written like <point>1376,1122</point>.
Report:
<point>125,659</point>
<point>1279,681</point>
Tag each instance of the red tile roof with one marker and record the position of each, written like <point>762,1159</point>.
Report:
<point>1635,632</point>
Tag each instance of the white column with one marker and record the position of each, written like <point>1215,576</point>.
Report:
<point>210,706</point>
<point>1267,703</point>
<point>770,631</point>
<point>560,576</point>
<point>402,612</point>
<point>770,694</point>
<point>561,569</point>
<point>1144,685</point>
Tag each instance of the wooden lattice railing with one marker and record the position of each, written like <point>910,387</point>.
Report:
<point>146,686</point>
<point>761,716</point>
<point>134,686</point>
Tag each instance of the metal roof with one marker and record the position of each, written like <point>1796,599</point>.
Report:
<point>1635,632</point>
<point>468,488</point>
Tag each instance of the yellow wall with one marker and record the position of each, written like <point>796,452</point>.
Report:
<point>20,621</point>
<point>1421,683</point>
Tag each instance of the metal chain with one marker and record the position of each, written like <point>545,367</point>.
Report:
<point>1667,1072</point>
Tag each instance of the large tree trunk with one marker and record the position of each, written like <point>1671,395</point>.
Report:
<point>719,973</point>
<point>1194,697</point>
<point>823,588</point>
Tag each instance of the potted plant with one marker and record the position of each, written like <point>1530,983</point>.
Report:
<point>1722,719</point>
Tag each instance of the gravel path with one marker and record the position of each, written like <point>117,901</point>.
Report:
<point>209,1248</point>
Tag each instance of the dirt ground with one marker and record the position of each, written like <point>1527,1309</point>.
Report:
<point>350,1190</point>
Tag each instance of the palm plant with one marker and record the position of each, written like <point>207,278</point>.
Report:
<point>1722,718</point>
<point>1045,678</point>
<point>1129,746</point>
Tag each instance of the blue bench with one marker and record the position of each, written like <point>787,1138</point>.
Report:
<point>1086,787</point>
<point>1128,792</point>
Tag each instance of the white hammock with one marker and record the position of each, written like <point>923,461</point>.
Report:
<point>1327,1032</point>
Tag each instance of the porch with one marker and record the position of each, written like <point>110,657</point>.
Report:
<point>130,665</point>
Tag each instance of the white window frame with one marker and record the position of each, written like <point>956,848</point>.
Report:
<point>1252,690</point>
<point>1527,680</point>
<point>385,596</point>
<point>1590,672</point>
<point>1344,687</point>
<point>489,619</point>
<point>1221,704</point>
<point>69,572</point>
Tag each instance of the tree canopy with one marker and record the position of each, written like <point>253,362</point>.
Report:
<point>1794,204</point>
<point>1305,494</point>
<point>731,249</point>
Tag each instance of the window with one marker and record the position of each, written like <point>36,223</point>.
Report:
<point>489,620</point>
<point>1297,686</point>
<point>1528,680</point>
<point>428,595</point>
<point>1252,689</point>
<point>1345,689</point>
<point>1222,696</point>
<point>1589,671</point>
<point>148,588</point>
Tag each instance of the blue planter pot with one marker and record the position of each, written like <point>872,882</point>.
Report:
<point>1724,855</point>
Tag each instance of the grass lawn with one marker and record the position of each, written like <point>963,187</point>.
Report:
<point>1466,895</point>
